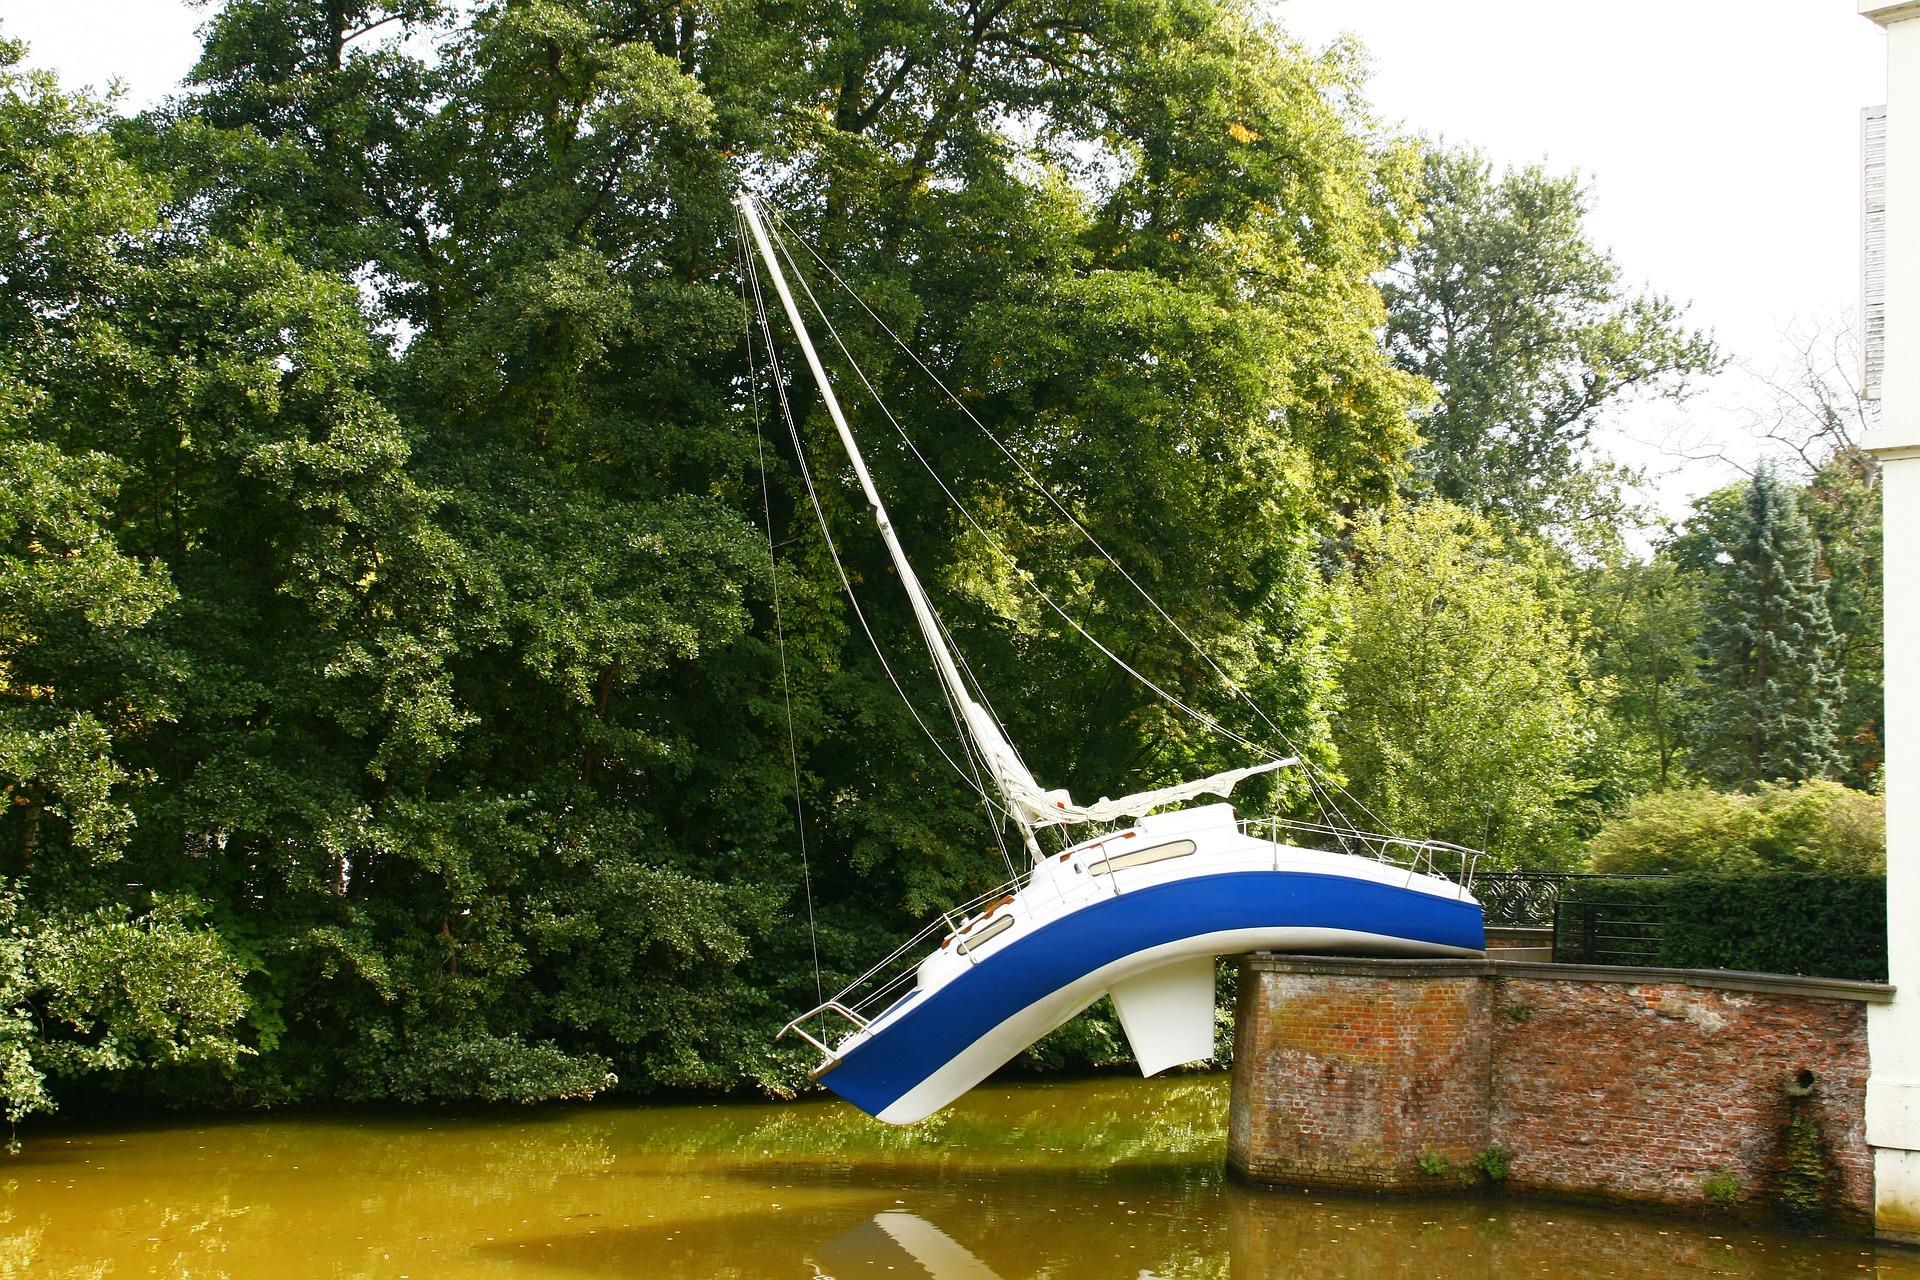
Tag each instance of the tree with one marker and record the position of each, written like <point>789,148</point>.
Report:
<point>418,383</point>
<point>1528,336</point>
<point>1463,718</point>
<point>1842,505</point>
<point>1643,626</point>
<point>100,982</point>
<point>1819,414</point>
<point>1770,692</point>
<point>79,666</point>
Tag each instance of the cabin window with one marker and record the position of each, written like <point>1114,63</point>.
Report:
<point>991,931</point>
<point>1141,857</point>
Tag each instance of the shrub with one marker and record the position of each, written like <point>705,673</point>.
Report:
<point>1799,922</point>
<point>1815,826</point>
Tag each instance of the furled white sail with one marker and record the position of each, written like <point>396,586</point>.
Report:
<point>1039,807</point>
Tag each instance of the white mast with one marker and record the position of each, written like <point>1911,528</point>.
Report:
<point>992,746</point>
<point>1028,803</point>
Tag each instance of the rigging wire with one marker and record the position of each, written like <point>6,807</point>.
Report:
<point>780,634</point>
<point>813,497</point>
<point>1308,769</point>
<point>970,775</point>
<point>998,549</point>
<point>978,690</point>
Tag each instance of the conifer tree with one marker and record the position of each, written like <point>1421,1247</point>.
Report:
<point>1769,707</point>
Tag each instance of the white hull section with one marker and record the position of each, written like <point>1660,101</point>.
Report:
<point>1140,914</point>
<point>987,1054</point>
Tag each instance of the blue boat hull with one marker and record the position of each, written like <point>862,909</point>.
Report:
<point>933,1029</point>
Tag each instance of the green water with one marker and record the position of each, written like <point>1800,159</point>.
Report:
<point>1111,1178</point>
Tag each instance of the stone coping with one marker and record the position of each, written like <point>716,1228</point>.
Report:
<point>1550,971</point>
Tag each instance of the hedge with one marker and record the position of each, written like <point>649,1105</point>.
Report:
<point>1815,924</point>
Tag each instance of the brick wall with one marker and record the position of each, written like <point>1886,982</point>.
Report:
<point>1619,1084</point>
<point>1357,1076</point>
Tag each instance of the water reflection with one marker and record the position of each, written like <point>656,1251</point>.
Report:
<point>890,1238</point>
<point>1272,1236</point>
<point>1116,1179</point>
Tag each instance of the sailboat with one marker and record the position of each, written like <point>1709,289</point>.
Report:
<point>1139,910</point>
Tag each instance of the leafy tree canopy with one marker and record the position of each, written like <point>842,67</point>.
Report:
<point>1643,626</point>
<point>1528,336</point>
<point>393,598</point>
<point>1464,718</point>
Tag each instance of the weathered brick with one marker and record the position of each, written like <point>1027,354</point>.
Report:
<point>1631,1090</point>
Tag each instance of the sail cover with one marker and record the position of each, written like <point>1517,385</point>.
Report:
<point>1039,807</point>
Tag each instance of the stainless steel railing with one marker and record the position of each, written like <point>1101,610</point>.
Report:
<point>1441,858</point>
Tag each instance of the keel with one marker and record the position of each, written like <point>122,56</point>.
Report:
<point>1167,1013</point>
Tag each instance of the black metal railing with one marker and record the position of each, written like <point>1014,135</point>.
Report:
<point>1606,933</point>
<point>1526,899</point>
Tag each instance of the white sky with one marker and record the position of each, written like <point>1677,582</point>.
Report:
<point>1720,140</point>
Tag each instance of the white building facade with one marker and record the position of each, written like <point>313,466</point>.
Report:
<point>1893,1090</point>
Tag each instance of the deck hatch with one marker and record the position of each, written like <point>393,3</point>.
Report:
<point>1141,857</point>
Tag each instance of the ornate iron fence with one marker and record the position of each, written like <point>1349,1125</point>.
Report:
<point>1526,899</point>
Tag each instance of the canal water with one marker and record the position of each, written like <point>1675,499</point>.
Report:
<point>1113,1178</point>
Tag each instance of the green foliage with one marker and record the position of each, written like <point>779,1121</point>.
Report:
<point>1527,334</point>
<point>1226,1008</point>
<point>112,1000</point>
<point>1842,506</point>
<point>449,1066</point>
<point>76,667</point>
<point>1722,1189</point>
<point>1643,627</point>
<point>1494,1163</point>
<point>23,1084</point>
<point>1488,1167</point>
<point>1805,1171</point>
<point>1768,707</point>
<point>1093,1039</point>
<point>1815,826</point>
<point>380,544</point>
<point>1464,718</point>
<point>1818,923</point>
